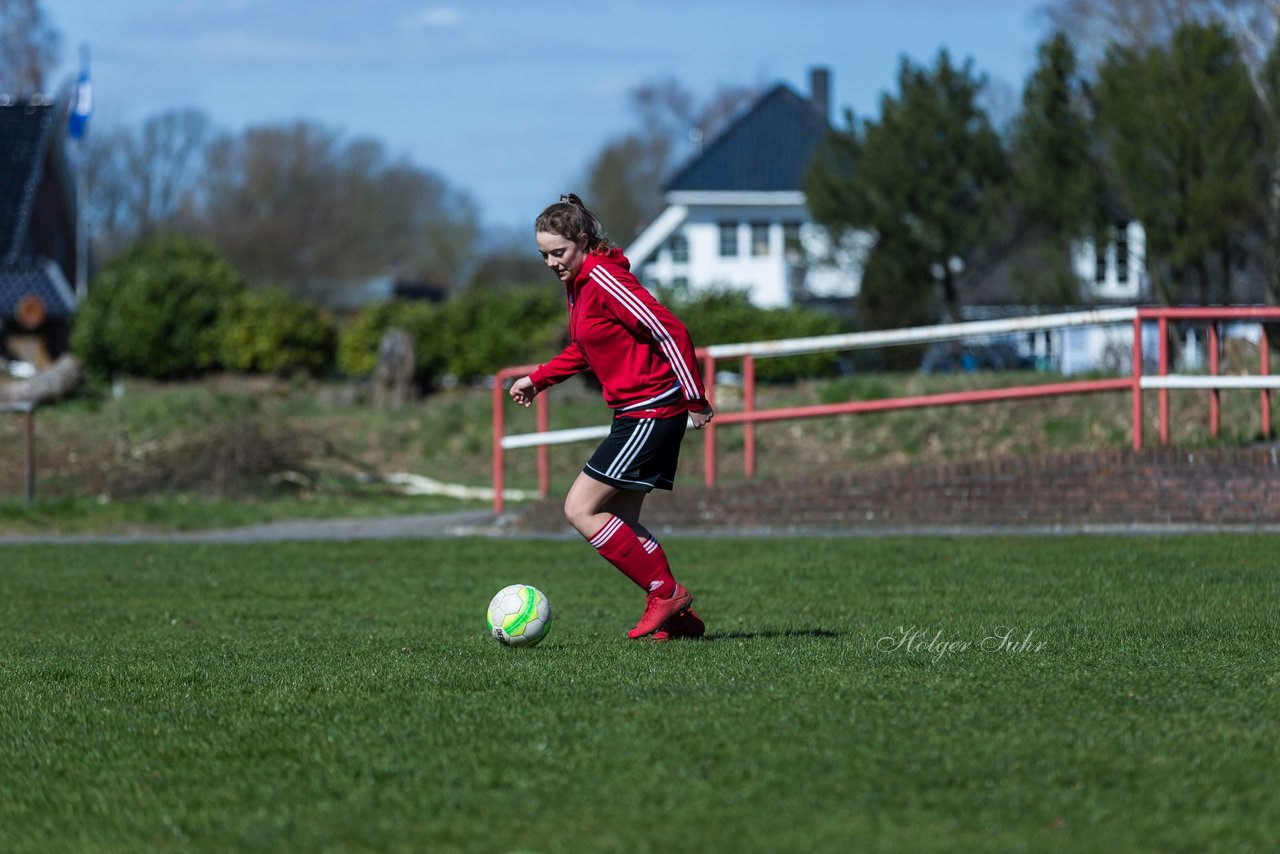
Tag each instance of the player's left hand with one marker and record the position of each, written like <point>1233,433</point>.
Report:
<point>701,417</point>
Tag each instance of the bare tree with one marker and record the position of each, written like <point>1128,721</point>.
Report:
<point>144,181</point>
<point>298,205</point>
<point>1094,25</point>
<point>28,47</point>
<point>667,110</point>
<point>270,205</point>
<point>624,182</point>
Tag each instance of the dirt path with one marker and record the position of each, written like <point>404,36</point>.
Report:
<point>480,523</point>
<point>425,526</point>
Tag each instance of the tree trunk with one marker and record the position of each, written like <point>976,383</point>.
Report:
<point>1227,258</point>
<point>1273,246</point>
<point>393,379</point>
<point>950,295</point>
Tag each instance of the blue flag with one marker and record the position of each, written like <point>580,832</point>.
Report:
<point>81,105</point>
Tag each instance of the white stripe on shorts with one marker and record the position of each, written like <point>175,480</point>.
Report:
<point>635,443</point>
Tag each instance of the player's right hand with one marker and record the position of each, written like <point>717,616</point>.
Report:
<point>523,391</point>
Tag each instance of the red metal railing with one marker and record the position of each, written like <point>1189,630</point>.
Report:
<point>1215,382</point>
<point>749,415</point>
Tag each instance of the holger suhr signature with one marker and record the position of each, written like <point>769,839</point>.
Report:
<point>921,640</point>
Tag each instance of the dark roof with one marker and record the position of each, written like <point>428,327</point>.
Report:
<point>767,149</point>
<point>25,131</point>
<point>35,278</point>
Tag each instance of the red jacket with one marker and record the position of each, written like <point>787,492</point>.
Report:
<point>641,353</point>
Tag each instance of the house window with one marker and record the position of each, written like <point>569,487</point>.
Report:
<point>728,240</point>
<point>680,283</point>
<point>679,246</point>
<point>1111,256</point>
<point>759,239</point>
<point>791,235</point>
<point>1122,253</point>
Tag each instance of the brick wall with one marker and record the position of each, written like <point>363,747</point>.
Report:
<point>1226,486</point>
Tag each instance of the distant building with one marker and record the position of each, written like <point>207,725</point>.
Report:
<point>736,215</point>
<point>37,232</point>
<point>348,296</point>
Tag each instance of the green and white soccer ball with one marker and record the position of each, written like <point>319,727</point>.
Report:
<point>519,615</point>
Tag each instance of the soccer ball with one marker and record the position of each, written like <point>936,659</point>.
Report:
<point>519,615</point>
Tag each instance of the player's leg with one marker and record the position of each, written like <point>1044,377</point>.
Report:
<point>587,509</point>
<point>585,505</point>
<point>627,505</point>
<point>629,460</point>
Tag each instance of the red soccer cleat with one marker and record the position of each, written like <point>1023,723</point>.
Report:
<point>686,625</point>
<point>658,611</point>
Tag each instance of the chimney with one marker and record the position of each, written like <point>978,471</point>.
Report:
<point>820,91</point>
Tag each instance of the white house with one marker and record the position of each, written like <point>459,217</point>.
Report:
<point>736,214</point>
<point>1111,274</point>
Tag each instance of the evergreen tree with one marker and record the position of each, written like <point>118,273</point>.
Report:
<point>886,300</point>
<point>926,174</point>
<point>1058,187</point>
<point>1269,88</point>
<point>1182,132</point>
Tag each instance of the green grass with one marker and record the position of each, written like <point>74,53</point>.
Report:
<point>346,697</point>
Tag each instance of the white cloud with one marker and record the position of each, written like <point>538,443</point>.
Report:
<point>435,17</point>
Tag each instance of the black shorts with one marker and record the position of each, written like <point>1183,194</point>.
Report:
<point>639,453</point>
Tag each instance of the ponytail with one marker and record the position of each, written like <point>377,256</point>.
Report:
<point>571,219</point>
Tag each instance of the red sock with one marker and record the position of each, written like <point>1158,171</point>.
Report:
<point>619,545</point>
<point>654,548</point>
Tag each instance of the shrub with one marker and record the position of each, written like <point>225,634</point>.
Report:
<point>270,332</point>
<point>472,335</point>
<point>358,341</point>
<point>154,311</point>
<point>487,330</point>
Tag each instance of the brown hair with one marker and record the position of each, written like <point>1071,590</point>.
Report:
<point>570,219</point>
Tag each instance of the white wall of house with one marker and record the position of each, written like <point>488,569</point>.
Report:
<point>759,245</point>
<point>1117,273</point>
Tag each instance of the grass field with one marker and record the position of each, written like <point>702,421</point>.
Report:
<point>851,695</point>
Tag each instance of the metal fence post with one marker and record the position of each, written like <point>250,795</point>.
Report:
<point>28,409</point>
<point>31,454</point>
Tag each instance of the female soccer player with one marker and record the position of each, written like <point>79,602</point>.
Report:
<point>643,357</point>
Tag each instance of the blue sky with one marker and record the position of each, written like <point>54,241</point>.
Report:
<point>509,99</point>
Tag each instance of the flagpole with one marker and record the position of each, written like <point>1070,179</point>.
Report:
<point>82,107</point>
<point>82,229</point>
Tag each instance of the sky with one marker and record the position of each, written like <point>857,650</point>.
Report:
<point>509,100</point>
